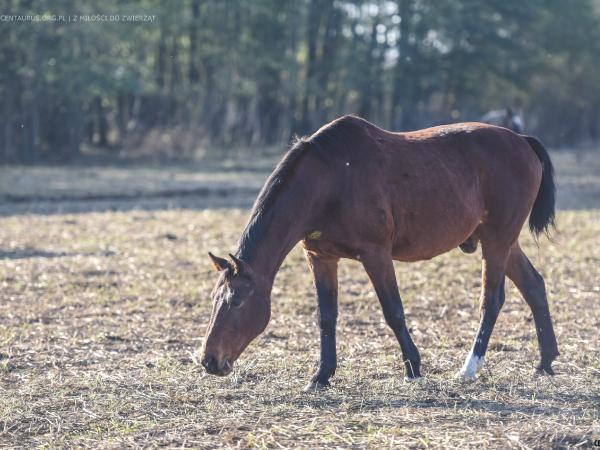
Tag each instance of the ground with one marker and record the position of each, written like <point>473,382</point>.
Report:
<point>104,301</point>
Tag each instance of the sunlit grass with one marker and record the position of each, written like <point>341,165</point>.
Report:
<point>101,316</point>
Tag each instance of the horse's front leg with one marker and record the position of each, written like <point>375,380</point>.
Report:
<point>324,270</point>
<point>380,268</point>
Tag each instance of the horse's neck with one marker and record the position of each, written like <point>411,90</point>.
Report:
<point>272,233</point>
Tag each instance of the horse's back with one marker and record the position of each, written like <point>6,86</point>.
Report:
<point>496,156</point>
<point>461,156</point>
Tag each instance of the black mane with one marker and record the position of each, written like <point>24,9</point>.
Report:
<point>331,141</point>
<point>269,193</point>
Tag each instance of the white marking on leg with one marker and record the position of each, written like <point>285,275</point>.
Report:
<point>313,386</point>
<point>472,366</point>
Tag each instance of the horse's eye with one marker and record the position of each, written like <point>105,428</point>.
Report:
<point>236,302</point>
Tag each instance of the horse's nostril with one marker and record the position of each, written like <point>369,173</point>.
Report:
<point>210,363</point>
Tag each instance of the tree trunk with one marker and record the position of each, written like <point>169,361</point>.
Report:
<point>401,86</point>
<point>367,77</point>
<point>27,139</point>
<point>161,59</point>
<point>594,118</point>
<point>101,123</point>
<point>292,113</point>
<point>34,130</point>
<point>75,128</point>
<point>193,68</point>
<point>122,116</point>
<point>35,100</point>
<point>313,26</point>
<point>174,81</point>
<point>325,64</point>
<point>8,121</point>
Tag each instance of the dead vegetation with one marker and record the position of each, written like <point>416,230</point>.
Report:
<point>101,314</point>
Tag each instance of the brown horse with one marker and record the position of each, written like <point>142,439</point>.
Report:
<point>353,190</point>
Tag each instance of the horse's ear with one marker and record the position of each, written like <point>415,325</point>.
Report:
<point>239,267</point>
<point>219,263</point>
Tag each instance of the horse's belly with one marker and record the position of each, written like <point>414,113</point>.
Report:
<point>420,247</point>
<point>432,232</point>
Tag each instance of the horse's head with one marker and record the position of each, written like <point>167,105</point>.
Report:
<point>513,121</point>
<point>241,311</point>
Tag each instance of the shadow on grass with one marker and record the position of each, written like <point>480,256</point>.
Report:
<point>496,407</point>
<point>161,201</point>
<point>472,404</point>
<point>27,253</point>
<point>450,401</point>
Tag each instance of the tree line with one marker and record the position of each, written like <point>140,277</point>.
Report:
<point>238,73</point>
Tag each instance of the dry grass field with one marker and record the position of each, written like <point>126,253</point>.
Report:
<point>104,302</point>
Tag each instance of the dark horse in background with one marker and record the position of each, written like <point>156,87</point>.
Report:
<point>353,190</point>
<point>507,118</point>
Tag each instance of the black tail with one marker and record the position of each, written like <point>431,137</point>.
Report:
<point>542,213</point>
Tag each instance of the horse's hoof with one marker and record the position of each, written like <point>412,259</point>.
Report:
<point>545,365</point>
<point>466,376</point>
<point>472,366</point>
<point>541,371</point>
<point>408,379</point>
<point>315,386</point>
<point>412,370</point>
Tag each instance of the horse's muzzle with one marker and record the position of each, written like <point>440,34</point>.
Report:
<point>213,367</point>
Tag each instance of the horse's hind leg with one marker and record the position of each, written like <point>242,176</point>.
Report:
<point>492,299</point>
<point>531,285</point>
<point>380,269</point>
